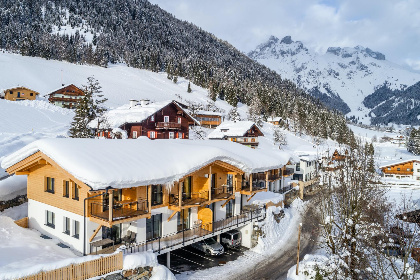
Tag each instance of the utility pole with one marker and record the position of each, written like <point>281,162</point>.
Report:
<point>298,249</point>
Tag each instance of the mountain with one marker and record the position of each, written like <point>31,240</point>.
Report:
<point>341,78</point>
<point>141,35</point>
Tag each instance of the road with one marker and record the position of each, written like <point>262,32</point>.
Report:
<point>276,267</point>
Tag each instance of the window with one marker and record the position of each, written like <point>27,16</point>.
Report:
<point>152,118</point>
<point>66,189</point>
<point>180,136</point>
<point>171,135</point>
<point>66,226</point>
<point>157,194</point>
<point>76,229</point>
<point>166,118</point>
<point>389,168</point>
<point>398,169</point>
<point>32,94</point>
<point>50,185</point>
<point>408,169</point>
<point>186,192</point>
<point>179,120</point>
<point>245,140</point>
<point>418,178</point>
<point>50,219</point>
<point>75,192</point>
<point>418,170</point>
<point>152,134</point>
<point>134,134</point>
<point>154,227</point>
<point>297,166</point>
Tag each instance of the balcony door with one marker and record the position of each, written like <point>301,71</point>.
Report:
<point>154,227</point>
<point>184,219</point>
<point>117,196</point>
<point>186,192</point>
<point>213,183</point>
<point>113,233</point>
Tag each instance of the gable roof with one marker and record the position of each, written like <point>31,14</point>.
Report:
<point>116,118</point>
<point>232,129</point>
<point>124,163</point>
<point>63,87</point>
<point>399,162</point>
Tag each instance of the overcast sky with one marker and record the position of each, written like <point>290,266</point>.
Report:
<point>388,26</point>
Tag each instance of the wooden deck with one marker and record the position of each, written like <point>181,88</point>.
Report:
<point>118,214</point>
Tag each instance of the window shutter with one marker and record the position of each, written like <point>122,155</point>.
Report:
<point>148,134</point>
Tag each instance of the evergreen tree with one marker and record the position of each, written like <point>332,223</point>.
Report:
<point>189,87</point>
<point>233,115</point>
<point>413,143</point>
<point>89,108</point>
<point>279,137</point>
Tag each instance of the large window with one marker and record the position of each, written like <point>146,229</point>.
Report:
<point>66,189</point>
<point>76,229</point>
<point>229,208</point>
<point>154,227</point>
<point>50,219</point>
<point>186,193</point>
<point>50,185</point>
<point>157,194</point>
<point>66,226</point>
<point>184,218</point>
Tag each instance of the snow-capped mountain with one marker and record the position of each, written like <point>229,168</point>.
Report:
<point>341,78</point>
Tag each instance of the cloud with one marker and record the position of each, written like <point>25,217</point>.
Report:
<point>389,26</point>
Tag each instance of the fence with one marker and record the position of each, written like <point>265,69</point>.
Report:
<point>167,242</point>
<point>82,271</point>
<point>22,222</point>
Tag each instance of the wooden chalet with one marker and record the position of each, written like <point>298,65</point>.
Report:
<point>67,96</point>
<point>110,193</point>
<point>159,120</point>
<point>403,169</point>
<point>243,132</point>
<point>208,118</point>
<point>19,94</point>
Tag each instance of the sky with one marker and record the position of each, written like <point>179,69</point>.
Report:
<point>391,27</point>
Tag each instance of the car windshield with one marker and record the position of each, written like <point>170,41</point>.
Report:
<point>210,241</point>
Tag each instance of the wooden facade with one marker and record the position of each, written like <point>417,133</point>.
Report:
<point>208,120</point>
<point>250,138</point>
<point>19,93</point>
<point>67,97</point>
<point>170,122</point>
<point>402,169</point>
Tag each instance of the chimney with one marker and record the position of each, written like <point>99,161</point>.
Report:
<point>144,102</point>
<point>133,103</point>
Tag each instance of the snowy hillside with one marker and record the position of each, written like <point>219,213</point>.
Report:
<point>342,77</point>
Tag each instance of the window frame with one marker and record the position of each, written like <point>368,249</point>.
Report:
<point>76,192</point>
<point>76,232</point>
<point>66,225</point>
<point>66,189</point>
<point>166,119</point>
<point>50,219</point>
<point>134,134</point>
<point>50,182</point>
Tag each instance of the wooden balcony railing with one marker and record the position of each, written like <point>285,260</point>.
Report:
<point>195,198</point>
<point>120,210</point>
<point>222,192</point>
<point>168,125</point>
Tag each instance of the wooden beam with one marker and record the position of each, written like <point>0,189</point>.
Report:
<point>149,195</point>
<point>210,183</point>
<point>95,233</point>
<point>251,197</point>
<point>250,182</point>
<point>229,199</point>
<point>110,205</point>
<point>173,214</point>
<point>180,187</point>
<point>22,173</point>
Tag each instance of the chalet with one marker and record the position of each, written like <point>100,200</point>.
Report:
<point>243,132</point>
<point>274,120</point>
<point>306,169</point>
<point>91,194</point>
<point>404,169</point>
<point>67,96</point>
<point>208,118</point>
<point>158,120</point>
<point>18,94</point>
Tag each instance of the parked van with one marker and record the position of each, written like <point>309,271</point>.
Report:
<point>231,239</point>
<point>209,246</point>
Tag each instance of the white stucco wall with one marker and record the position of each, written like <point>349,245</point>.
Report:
<point>246,233</point>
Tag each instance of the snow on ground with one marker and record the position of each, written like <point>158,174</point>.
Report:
<point>24,252</point>
<point>276,236</point>
<point>160,272</point>
<point>17,212</point>
<point>263,198</point>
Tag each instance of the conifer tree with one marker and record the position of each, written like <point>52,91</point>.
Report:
<point>233,115</point>
<point>89,108</point>
<point>189,87</point>
<point>413,143</point>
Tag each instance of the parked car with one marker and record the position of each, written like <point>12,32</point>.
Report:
<point>231,239</point>
<point>209,246</point>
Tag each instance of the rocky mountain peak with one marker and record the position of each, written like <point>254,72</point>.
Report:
<point>275,48</point>
<point>286,40</point>
<point>358,50</point>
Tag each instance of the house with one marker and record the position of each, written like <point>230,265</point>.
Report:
<point>274,120</point>
<point>208,118</point>
<point>92,193</point>
<point>67,96</point>
<point>19,94</point>
<point>243,132</point>
<point>155,120</point>
<point>404,169</point>
<point>306,169</point>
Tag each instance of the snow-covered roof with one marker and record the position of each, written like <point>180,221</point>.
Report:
<point>57,89</point>
<point>231,128</point>
<point>399,162</point>
<point>124,163</point>
<point>17,87</point>
<point>208,113</point>
<point>134,114</point>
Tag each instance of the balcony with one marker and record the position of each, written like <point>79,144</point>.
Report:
<point>168,125</point>
<point>287,172</point>
<point>222,192</point>
<point>121,210</point>
<point>193,199</point>
<point>274,177</point>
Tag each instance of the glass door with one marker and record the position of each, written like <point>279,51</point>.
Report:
<point>186,194</point>
<point>154,227</point>
<point>213,184</point>
<point>113,233</point>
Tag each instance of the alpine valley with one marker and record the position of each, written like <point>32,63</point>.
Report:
<point>357,81</point>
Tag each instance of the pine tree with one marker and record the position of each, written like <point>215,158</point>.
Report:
<point>413,143</point>
<point>279,137</point>
<point>189,87</point>
<point>89,108</point>
<point>233,115</point>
